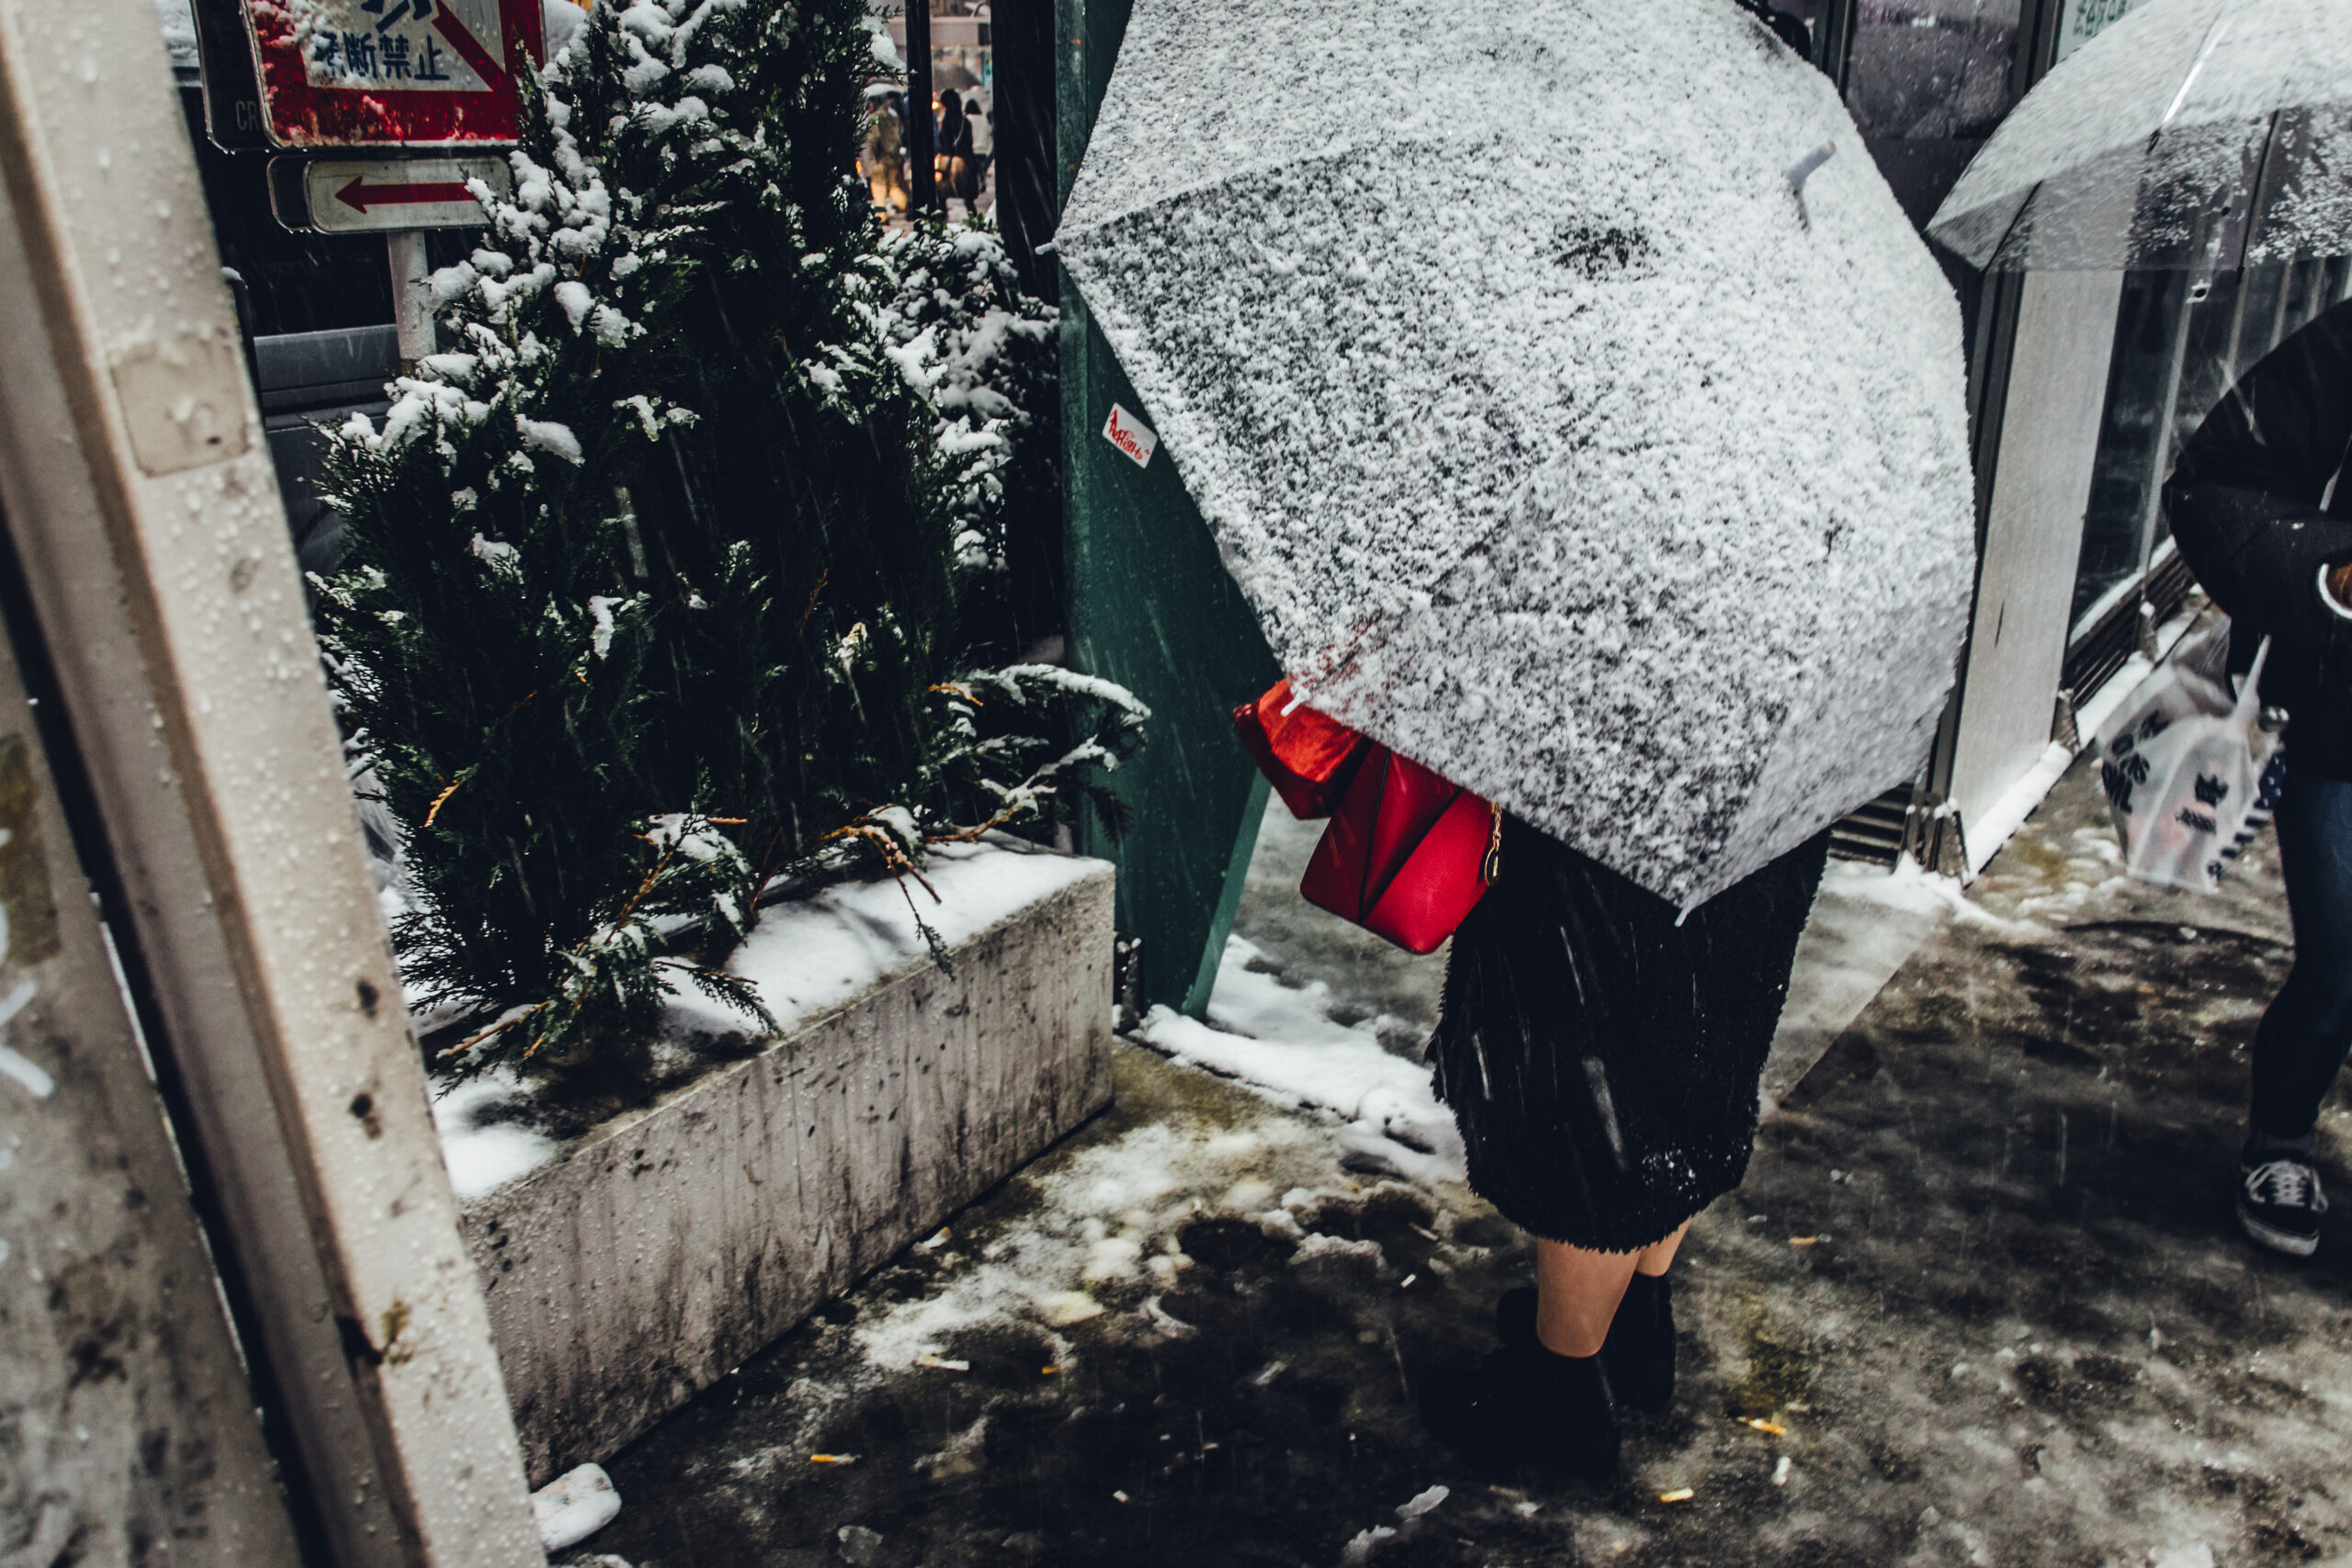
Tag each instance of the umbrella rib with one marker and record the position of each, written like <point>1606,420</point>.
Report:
<point>2213,35</point>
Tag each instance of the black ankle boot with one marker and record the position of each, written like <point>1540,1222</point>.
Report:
<point>1525,1412</point>
<point>1639,1351</point>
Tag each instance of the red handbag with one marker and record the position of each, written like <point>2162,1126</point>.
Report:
<point>1308,756</point>
<point>1408,854</point>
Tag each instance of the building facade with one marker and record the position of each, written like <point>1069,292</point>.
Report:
<point>2083,387</point>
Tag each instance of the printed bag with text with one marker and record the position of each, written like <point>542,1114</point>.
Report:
<point>2191,774</point>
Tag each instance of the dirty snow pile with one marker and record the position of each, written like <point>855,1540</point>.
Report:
<point>808,958</point>
<point>1283,1041</point>
<point>1101,1234</point>
<point>1556,440</point>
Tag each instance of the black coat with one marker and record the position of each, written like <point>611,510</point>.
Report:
<point>2245,504</point>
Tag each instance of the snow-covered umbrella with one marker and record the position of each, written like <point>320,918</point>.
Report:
<point>1558,439</point>
<point>2192,134</point>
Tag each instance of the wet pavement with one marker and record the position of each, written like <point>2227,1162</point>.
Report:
<point>1980,1300</point>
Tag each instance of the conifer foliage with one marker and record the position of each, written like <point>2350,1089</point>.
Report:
<point>658,573</point>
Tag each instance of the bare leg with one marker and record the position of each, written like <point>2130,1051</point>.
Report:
<point>1657,1258</point>
<point>1577,1291</point>
<point>1576,1295</point>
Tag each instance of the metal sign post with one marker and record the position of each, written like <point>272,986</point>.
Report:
<point>399,198</point>
<point>130,1417</point>
<point>138,498</point>
<point>411,297</point>
<point>922,142</point>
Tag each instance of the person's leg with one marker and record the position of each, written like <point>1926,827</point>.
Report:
<point>1652,1262</point>
<point>1576,1295</point>
<point>2301,1044</point>
<point>1578,1292</point>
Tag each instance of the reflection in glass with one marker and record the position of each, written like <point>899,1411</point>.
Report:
<point>1931,69</point>
<point>2181,340</point>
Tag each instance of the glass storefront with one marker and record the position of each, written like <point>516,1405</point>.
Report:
<point>1931,70</point>
<point>2181,339</point>
<point>963,62</point>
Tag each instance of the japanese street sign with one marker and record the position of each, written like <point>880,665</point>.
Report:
<point>392,73</point>
<point>342,195</point>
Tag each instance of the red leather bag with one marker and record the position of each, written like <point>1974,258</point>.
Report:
<point>1408,854</point>
<point>1309,757</point>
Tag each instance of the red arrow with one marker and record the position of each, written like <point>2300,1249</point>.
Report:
<point>360,195</point>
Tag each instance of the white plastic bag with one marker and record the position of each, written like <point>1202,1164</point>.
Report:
<point>2188,766</point>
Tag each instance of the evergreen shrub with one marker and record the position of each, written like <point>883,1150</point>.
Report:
<point>688,567</point>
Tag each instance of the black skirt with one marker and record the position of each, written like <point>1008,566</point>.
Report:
<point>1601,1060</point>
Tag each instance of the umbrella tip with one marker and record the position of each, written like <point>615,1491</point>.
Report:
<point>1805,167</point>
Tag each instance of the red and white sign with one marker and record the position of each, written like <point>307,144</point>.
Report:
<point>392,73</point>
<point>1130,435</point>
<point>347,196</point>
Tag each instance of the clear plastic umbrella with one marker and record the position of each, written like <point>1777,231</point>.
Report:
<point>1559,439</point>
<point>2197,135</point>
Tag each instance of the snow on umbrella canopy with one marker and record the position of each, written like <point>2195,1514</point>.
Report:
<point>1556,440</point>
<point>2192,134</point>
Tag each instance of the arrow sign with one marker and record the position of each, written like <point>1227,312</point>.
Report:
<point>360,195</point>
<point>353,196</point>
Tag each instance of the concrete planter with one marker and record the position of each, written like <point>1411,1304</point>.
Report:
<point>662,1248</point>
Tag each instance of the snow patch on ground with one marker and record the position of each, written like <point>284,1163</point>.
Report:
<point>1911,888</point>
<point>1283,1041</point>
<point>1107,1223</point>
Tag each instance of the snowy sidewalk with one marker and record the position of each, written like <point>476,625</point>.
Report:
<point>1979,1300</point>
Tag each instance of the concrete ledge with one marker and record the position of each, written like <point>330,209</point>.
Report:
<point>670,1243</point>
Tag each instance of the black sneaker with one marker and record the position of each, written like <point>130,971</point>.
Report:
<point>1639,1351</point>
<point>1524,1413</point>
<point>2279,1202</point>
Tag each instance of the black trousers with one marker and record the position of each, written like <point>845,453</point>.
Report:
<point>2300,1047</point>
<point>1601,1059</point>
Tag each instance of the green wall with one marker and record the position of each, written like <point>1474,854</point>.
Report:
<point>1152,608</point>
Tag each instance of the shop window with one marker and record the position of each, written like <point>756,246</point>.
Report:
<point>2181,340</point>
<point>1930,69</point>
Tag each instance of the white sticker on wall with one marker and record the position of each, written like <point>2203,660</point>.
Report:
<point>1130,435</point>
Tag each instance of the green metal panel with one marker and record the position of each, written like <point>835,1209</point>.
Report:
<point>1152,607</point>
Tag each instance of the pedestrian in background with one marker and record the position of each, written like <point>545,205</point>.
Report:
<point>2262,514</point>
<point>981,121</point>
<point>955,157</point>
<point>886,175</point>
